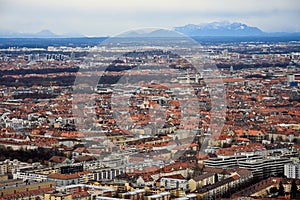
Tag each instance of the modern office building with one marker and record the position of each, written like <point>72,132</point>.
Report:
<point>229,161</point>
<point>264,168</point>
<point>261,167</point>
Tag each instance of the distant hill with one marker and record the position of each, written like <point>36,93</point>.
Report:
<point>150,32</point>
<point>41,34</point>
<point>214,29</point>
<point>219,29</point>
<point>227,29</point>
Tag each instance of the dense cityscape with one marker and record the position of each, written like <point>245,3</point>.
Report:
<point>146,122</point>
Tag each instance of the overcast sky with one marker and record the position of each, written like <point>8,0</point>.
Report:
<point>110,17</point>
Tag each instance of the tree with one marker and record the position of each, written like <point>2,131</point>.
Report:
<point>272,140</point>
<point>216,178</point>
<point>281,191</point>
<point>189,176</point>
<point>295,141</point>
<point>279,138</point>
<point>273,190</point>
<point>294,190</point>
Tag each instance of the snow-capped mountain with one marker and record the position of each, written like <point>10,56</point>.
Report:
<point>219,29</point>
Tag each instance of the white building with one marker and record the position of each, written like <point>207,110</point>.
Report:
<point>172,183</point>
<point>292,170</point>
<point>30,176</point>
<point>263,168</point>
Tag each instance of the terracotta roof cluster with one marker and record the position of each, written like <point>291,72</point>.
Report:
<point>27,193</point>
<point>235,150</point>
<point>68,176</point>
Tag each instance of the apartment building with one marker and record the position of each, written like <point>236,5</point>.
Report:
<point>292,170</point>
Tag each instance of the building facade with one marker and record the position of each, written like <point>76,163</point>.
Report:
<point>264,168</point>
<point>292,170</point>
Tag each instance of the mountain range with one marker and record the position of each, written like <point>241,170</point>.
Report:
<point>41,34</point>
<point>224,28</point>
<point>219,29</point>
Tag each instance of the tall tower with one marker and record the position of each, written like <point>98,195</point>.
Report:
<point>290,74</point>
<point>188,78</point>
<point>197,78</point>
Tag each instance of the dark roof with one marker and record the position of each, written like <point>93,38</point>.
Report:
<point>57,159</point>
<point>216,185</point>
<point>84,158</point>
<point>219,170</point>
<point>203,176</point>
<point>174,176</point>
<point>243,172</point>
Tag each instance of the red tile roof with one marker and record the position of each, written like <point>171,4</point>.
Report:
<point>64,176</point>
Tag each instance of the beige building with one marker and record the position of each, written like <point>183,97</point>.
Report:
<point>159,196</point>
<point>57,196</point>
<point>202,180</point>
<point>26,189</point>
<point>3,178</point>
<point>3,168</point>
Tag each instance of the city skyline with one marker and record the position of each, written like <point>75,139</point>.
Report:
<point>106,18</point>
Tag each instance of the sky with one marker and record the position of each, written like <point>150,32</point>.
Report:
<point>111,17</point>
